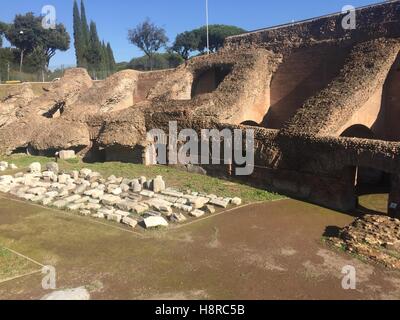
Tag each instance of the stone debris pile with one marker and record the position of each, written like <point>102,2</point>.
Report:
<point>4,165</point>
<point>376,238</point>
<point>143,201</point>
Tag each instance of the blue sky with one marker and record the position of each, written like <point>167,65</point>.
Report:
<point>115,17</point>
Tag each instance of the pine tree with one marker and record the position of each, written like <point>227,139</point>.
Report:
<point>78,40</point>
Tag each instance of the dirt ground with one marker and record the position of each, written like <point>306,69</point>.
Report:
<point>272,250</point>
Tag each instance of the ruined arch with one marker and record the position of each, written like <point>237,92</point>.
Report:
<point>300,76</point>
<point>208,80</point>
<point>358,131</point>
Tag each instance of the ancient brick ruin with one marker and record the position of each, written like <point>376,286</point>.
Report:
<point>323,101</point>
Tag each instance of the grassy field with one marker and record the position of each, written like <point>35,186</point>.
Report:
<point>37,88</point>
<point>13,265</point>
<point>173,177</point>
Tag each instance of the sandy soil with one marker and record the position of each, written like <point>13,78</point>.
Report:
<point>272,250</point>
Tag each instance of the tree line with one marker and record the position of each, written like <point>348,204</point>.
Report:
<point>33,46</point>
<point>91,53</point>
<point>150,38</point>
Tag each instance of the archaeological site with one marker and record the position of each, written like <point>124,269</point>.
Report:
<point>323,102</point>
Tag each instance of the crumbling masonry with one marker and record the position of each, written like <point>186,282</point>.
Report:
<point>324,103</point>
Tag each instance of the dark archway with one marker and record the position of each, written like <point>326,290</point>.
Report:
<point>250,123</point>
<point>208,80</point>
<point>371,185</point>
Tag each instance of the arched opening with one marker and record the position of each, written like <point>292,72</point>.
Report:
<point>372,186</point>
<point>387,123</point>
<point>208,80</point>
<point>299,77</point>
<point>250,123</point>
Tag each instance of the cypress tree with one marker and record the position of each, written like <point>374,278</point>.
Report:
<point>111,59</point>
<point>94,55</point>
<point>78,40</point>
<point>84,26</point>
<point>104,59</point>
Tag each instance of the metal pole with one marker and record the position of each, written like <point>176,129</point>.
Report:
<point>208,35</point>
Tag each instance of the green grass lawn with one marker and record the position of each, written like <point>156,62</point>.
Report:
<point>173,177</point>
<point>12,265</point>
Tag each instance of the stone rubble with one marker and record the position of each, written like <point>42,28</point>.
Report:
<point>142,201</point>
<point>376,238</point>
<point>4,165</point>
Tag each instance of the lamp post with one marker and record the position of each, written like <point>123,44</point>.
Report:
<point>207,26</point>
<point>22,54</point>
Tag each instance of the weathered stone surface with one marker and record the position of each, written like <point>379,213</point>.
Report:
<point>172,193</point>
<point>70,191</point>
<point>6,180</point>
<point>4,164</point>
<point>81,189</point>
<point>136,187</point>
<point>72,198</point>
<point>53,167</point>
<point>109,199</point>
<point>140,208</point>
<point>92,206</point>
<point>35,167</point>
<point>124,187</point>
<point>161,205</point>
<point>66,154</point>
<point>74,206</point>
<point>147,193</point>
<point>158,184</point>
<point>37,191</point>
<point>114,217</point>
<point>376,238</point>
<point>153,222</point>
<point>47,201</point>
<point>197,213</point>
<point>13,166</point>
<point>78,294</point>
<point>85,172</point>
<point>60,204</point>
<point>197,202</point>
<point>236,201</point>
<point>63,178</point>
<point>129,222</point>
<point>106,211</point>
<point>183,207</point>
<point>127,205</point>
<point>116,191</point>
<point>220,203</point>
<point>83,200</point>
<point>209,209</point>
<point>122,213</point>
<point>94,193</point>
<point>5,189</point>
<point>85,212</point>
<point>178,218</point>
